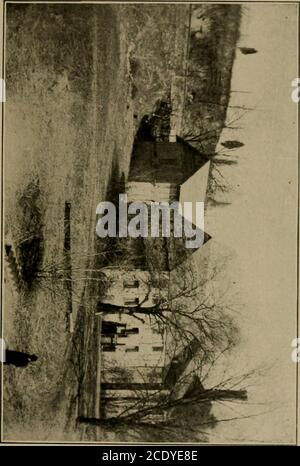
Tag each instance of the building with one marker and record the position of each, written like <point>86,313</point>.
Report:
<point>135,346</point>
<point>132,340</point>
<point>163,171</point>
<point>132,360</point>
<point>164,162</point>
<point>132,346</point>
<point>158,169</point>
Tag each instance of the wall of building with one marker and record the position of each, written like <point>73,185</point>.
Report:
<point>136,352</point>
<point>160,162</point>
<point>134,287</point>
<point>143,191</point>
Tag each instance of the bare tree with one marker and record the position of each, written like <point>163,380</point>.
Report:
<point>200,328</point>
<point>183,410</point>
<point>192,309</point>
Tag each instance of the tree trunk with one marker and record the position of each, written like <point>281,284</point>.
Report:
<point>113,309</point>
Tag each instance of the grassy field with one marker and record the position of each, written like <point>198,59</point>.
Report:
<point>68,123</point>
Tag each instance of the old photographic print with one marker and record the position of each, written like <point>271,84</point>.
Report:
<point>149,222</point>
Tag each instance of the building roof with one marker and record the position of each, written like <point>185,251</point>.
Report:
<point>195,188</point>
<point>163,161</point>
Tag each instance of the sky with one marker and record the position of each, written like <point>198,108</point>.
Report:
<point>259,228</point>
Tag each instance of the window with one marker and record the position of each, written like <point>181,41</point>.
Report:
<point>107,339</point>
<point>157,348</point>
<point>129,331</point>
<point>108,348</point>
<point>132,331</point>
<point>109,328</point>
<point>132,349</point>
<point>131,302</point>
<point>131,284</point>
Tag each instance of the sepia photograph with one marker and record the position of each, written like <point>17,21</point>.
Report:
<point>150,224</point>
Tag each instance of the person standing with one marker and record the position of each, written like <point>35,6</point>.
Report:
<point>18,358</point>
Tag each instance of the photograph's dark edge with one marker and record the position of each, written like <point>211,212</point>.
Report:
<point>2,204</point>
<point>298,248</point>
